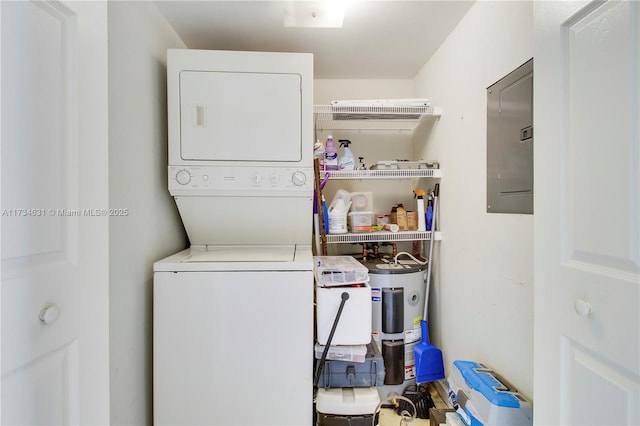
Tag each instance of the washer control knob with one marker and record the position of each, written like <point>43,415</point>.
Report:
<point>298,178</point>
<point>183,177</point>
<point>274,178</point>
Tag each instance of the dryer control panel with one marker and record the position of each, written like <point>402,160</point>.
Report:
<point>183,180</point>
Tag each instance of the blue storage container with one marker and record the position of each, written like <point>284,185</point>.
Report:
<point>483,398</point>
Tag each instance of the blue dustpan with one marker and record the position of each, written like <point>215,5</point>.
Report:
<point>429,363</point>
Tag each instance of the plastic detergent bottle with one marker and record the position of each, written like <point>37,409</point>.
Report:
<point>330,155</point>
<point>422,226</point>
<point>338,210</point>
<point>347,161</point>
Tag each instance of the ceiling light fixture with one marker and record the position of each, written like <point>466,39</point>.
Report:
<point>314,14</point>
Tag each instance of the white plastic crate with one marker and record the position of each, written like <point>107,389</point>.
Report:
<point>333,271</point>
<point>353,353</point>
<point>347,401</point>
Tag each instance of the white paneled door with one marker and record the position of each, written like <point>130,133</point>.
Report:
<point>54,227</point>
<point>587,213</point>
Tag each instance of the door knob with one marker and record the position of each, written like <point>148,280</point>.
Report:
<point>49,314</point>
<point>582,307</point>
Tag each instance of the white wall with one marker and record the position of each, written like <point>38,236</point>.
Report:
<point>481,302</point>
<point>329,90</point>
<point>485,276</point>
<point>138,39</point>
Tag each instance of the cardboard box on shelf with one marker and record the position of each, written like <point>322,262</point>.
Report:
<point>412,221</point>
<point>399,217</point>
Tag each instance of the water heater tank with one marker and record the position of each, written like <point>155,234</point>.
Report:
<point>397,295</point>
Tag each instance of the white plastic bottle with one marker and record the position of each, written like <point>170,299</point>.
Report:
<point>330,155</point>
<point>318,152</point>
<point>421,213</point>
<point>347,161</point>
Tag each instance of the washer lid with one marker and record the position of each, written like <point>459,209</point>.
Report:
<point>242,254</point>
<point>238,258</point>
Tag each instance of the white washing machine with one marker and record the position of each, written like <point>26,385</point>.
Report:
<point>234,336</point>
<point>233,314</point>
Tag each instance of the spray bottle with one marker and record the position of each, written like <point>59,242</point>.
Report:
<point>419,193</point>
<point>330,155</point>
<point>347,161</point>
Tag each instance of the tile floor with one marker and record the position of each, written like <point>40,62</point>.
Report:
<point>388,417</point>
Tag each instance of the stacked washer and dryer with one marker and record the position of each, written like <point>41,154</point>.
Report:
<point>234,313</point>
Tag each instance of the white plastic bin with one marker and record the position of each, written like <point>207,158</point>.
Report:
<point>354,326</point>
<point>347,401</point>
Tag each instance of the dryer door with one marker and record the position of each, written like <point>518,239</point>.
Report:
<point>240,116</point>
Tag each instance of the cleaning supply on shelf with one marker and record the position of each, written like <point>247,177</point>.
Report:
<point>325,215</point>
<point>347,161</point>
<point>338,210</point>
<point>318,152</point>
<point>422,224</point>
<point>330,155</point>
<point>429,220</point>
<point>361,165</point>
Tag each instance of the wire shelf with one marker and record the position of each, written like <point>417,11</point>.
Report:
<point>382,236</point>
<point>383,174</point>
<point>371,117</point>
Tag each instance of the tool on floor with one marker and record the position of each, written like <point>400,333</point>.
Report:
<point>420,396</point>
<point>429,363</point>
<point>406,417</point>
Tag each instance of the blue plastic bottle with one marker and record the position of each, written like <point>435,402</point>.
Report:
<point>330,155</point>
<point>429,213</point>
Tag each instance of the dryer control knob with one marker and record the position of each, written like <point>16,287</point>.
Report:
<point>298,178</point>
<point>183,177</point>
<point>256,178</point>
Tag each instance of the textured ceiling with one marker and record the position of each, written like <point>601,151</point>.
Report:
<point>379,39</point>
